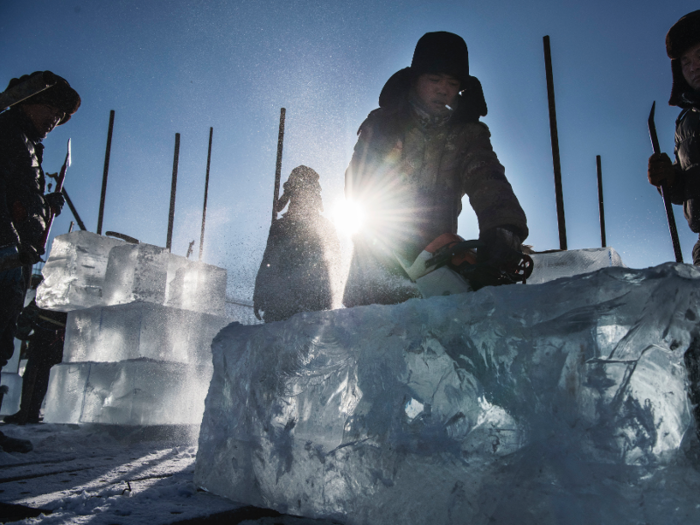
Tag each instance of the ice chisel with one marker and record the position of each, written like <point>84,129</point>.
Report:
<point>59,189</point>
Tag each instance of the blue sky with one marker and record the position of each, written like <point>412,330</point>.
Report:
<point>183,66</point>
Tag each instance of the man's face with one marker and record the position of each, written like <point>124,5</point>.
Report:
<point>44,117</point>
<point>436,91</point>
<point>690,65</point>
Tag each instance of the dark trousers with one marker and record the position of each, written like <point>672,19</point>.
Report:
<point>45,350</point>
<point>13,286</point>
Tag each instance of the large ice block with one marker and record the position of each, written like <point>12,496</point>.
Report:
<point>513,404</point>
<point>133,392</point>
<point>196,286</point>
<point>132,331</point>
<point>136,272</point>
<point>567,263</point>
<point>74,272</point>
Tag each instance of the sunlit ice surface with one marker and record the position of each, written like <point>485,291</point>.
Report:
<point>348,216</point>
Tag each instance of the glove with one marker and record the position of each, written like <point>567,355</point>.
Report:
<point>660,170</point>
<point>29,255</point>
<point>56,200</point>
<point>502,248</point>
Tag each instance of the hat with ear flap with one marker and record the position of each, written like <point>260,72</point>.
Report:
<point>60,96</point>
<point>441,52</point>
<point>682,36</point>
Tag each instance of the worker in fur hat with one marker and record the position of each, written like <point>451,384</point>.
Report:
<point>417,155</point>
<point>25,209</point>
<point>682,177</point>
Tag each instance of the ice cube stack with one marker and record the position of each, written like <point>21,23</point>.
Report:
<point>139,331</point>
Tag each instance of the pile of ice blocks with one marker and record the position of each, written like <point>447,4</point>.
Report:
<point>139,331</point>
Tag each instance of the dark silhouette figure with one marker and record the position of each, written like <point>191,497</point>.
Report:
<point>301,254</point>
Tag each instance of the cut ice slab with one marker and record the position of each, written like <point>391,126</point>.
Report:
<point>75,271</point>
<point>196,286</point>
<point>567,263</point>
<point>132,331</point>
<point>134,392</point>
<point>136,272</point>
<point>513,404</point>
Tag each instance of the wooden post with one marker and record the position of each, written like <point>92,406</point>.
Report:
<point>278,169</point>
<point>206,192</point>
<point>600,201</point>
<point>555,144</point>
<point>104,173</point>
<point>173,187</point>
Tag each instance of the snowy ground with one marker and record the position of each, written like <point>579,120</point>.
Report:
<point>114,475</point>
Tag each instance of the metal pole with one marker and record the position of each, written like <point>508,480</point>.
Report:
<point>206,192</point>
<point>664,191</point>
<point>278,169</point>
<point>104,174</point>
<point>555,144</point>
<point>173,187</point>
<point>70,204</point>
<point>600,201</point>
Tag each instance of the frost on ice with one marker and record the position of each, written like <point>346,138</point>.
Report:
<point>518,404</point>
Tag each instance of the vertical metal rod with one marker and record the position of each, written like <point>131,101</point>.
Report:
<point>278,169</point>
<point>173,187</point>
<point>104,174</point>
<point>555,144</point>
<point>600,201</point>
<point>70,228</point>
<point>206,192</point>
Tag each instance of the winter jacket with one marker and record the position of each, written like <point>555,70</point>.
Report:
<point>410,171</point>
<point>686,187</point>
<point>298,267</point>
<point>24,212</point>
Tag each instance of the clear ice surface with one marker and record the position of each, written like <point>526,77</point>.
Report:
<point>132,392</point>
<point>557,403</point>
<point>554,265</point>
<point>136,272</point>
<point>140,330</point>
<point>85,270</point>
<point>75,271</point>
<point>196,286</point>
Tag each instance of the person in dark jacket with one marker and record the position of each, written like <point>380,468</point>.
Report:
<point>302,255</point>
<point>416,157</point>
<point>24,208</point>
<point>45,333</point>
<point>682,177</point>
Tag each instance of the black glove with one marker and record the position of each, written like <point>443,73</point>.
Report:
<point>660,170</point>
<point>28,254</point>
<point>502,248</point>
<point>56,200</point>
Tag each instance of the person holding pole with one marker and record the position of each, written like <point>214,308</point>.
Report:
<point>416,157</point>
<point>25,211</point>
<point>682,177</point>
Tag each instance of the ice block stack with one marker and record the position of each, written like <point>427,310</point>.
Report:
<point>139,331</point>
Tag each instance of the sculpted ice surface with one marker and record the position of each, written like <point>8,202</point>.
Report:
<point>517,404</point>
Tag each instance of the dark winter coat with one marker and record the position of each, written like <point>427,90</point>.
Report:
<point>686,187</point>
<point>24,212</point>
<point>410,173</point>
<point>298,267</point>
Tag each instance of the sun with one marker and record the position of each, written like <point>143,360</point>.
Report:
<point>348,216</point>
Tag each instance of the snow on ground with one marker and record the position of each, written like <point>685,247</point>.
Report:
<point>109,475</point>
